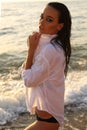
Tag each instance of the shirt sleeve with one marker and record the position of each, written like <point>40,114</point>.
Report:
<point>40,69</point>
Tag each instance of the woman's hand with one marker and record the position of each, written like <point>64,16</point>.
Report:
<point>32,43</point>
<point>33,40</point>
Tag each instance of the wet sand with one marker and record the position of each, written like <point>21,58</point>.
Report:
<point>76,120</point>
<point>73,121</point>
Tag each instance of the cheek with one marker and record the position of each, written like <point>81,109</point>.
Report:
<point>52,27</point>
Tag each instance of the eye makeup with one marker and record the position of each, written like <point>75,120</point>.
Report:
<point>47,18</point>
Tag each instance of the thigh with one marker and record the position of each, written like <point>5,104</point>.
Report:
<point>31,126</point>
<point>40,125</point>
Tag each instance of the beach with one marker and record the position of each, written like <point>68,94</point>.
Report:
<point>18,20</point>
<point>72,121</point>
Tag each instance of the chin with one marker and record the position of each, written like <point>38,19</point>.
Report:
<point>42,32</point>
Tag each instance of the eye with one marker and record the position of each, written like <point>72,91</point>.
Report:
<point>49,20</point>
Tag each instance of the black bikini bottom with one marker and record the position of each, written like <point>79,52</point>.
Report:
<point>50,120</point>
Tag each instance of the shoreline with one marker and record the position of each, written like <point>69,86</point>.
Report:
<point>22,121</point>
<point>72,121</point>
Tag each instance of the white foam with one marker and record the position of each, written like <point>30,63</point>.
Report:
<point>12,95</point>
<point>4,116</point>
<point>76,89</point>
<point>12,101</point>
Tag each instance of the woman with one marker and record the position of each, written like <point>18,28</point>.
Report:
<point>46,66</point>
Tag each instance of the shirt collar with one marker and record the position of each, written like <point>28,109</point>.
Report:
<point>46,38</point>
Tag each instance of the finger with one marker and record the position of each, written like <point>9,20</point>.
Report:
<point>34,32</point>
<point>38,35</point>
<point>29,36</point>
<point>35,36</point>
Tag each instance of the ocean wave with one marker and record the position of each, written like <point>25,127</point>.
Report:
<point>7,28</point>
<point>11,58</point>
<point>76,91</point>
<point>12,101</point>
<point>7,33</point>
<point>12,96</point>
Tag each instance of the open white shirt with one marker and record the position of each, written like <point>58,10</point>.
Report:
<point>44,81</point>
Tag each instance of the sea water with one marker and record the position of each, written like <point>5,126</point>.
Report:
<point>17,22</point>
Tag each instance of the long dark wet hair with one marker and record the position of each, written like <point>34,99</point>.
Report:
<point>63,37</point>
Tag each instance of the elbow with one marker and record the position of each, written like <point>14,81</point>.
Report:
<point>28,79</point>
<point>31,80</point>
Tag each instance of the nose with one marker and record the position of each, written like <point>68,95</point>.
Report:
<point>41,21</point>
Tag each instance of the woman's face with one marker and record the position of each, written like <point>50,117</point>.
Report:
<point>48,23</point>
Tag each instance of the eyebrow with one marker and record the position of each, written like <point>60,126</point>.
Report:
<point>47,16</point>
<point>50,17</point>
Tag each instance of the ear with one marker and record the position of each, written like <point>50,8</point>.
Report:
<point>60,26</point>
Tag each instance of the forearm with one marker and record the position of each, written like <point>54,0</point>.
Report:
<point>29,59</point>
<point>32,43</point>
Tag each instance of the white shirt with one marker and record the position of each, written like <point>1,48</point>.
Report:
<point>44,81</point>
